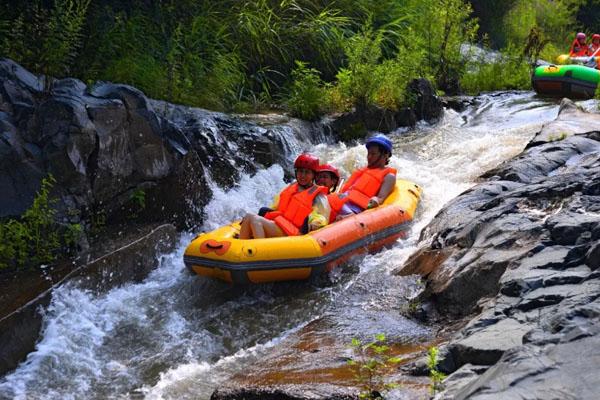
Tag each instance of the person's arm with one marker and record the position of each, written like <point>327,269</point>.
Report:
<point>386,188</point>
<point>319,216</point>
<point>572,49</point>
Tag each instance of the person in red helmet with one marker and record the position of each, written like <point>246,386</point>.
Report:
<point>328,176</point>
<point>579,47</point>
<point>299,208</point>
<point>367,187</point>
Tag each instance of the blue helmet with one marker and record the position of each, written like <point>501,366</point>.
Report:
<point>381,140</point>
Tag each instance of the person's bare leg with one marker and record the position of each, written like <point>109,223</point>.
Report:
<point>271,229</point>
<point>258,232</point>
<point>245,227</point>
<point>257,227</point>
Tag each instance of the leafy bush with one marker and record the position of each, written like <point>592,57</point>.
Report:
<point>372,361</point>
<point>36,238</point>
<point>434,374</point>
<point>307,97</point>
<point>509,71</point>
<point>46,40</point>
<point>556,19</point>
<point>440,28</point>
<point>358,82</point>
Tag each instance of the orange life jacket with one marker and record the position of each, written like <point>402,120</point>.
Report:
<point>332,214</point>
<point>362,185</point>
<point>578,50</point>
<point>294,207</point>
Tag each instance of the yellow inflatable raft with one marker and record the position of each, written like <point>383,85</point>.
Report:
<point>218,254</point>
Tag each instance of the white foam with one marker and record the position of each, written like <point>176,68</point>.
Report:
<point>251,193</point>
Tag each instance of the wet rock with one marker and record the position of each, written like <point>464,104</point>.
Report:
<point>463,376</point>
<point>527,372</point>
<point>592,258</point>
<point>108,143</point>
<point>520,258</point>
<point>13,72</point>
<point>357,123</point>
<point>554,257</point>
<point>547,159</point>
<point>543,297</point>
<point>291,392</point>
<point>19,332</point>
<point>427,106</point>
<point>458,103</point>
<point>566,228</point>
<point>314,358</point>
<point>571,120</point>
<point>420,367</point>
<point>486,345</point>
<point>21,169</point>
<point>519,281</point>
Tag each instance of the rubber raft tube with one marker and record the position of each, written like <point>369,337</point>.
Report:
<point>219,254</point>
<point>573,81</point>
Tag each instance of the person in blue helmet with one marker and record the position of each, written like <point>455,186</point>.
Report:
<point>367,187</point>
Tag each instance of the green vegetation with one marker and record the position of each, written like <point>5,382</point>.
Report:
<point>97,222</point>
<point>557,138</point>
<point>371,362</point>
<point>436,376</point>
<point>46,40</point>
<point>307,92</point>
<point>36,238</point>
<point>138,200</point>
<point>310,56</point>
<point>528,30</point>
<point>506,72</point>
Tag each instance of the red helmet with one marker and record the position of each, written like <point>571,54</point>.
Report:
<point>595,36</point>
<point>580,35</point>
<point>307,161</point>
<point>329,168</point>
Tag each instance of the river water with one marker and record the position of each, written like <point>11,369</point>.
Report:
<point>178,336</point>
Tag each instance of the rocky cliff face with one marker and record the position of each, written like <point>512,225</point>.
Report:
<point>105,144</point>
<point>519,255</point>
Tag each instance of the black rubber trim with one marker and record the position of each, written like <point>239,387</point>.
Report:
<point>296,262</point>
<point>566,80</point>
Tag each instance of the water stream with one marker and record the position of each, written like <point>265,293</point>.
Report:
<point>178,336</point>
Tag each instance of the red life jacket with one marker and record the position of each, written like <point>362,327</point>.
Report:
<point>578,50</point>
<point>294,207</point>
<point>592,49</point>
<point>362,185</point>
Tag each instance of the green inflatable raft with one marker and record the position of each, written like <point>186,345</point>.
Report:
<point>574,81</point>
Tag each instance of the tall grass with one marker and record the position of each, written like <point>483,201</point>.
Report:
<point>240,54</point>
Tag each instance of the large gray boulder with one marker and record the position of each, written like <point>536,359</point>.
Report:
<point>108,143</point>
<point>516,259</point>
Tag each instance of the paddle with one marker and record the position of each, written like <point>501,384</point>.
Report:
<point>339,186</point>
<point>591,59</point>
